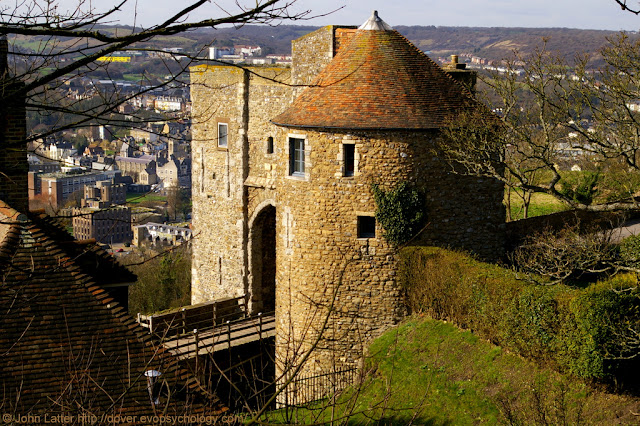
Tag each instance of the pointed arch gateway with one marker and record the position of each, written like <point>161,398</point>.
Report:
<point>262,261</point>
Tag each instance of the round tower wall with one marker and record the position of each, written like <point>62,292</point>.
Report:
<point>337,290</point>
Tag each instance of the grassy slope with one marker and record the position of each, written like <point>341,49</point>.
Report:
<point>541,204</point>
<point>429,372</point>
<point>135,198</point>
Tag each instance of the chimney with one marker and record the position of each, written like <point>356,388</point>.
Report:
<point>13,131</point>
<point>459,72</point>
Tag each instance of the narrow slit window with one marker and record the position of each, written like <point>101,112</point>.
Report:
<point>223,131</point>
<point>270,145</point>
<point>366,227</point>
<point>349,152</point>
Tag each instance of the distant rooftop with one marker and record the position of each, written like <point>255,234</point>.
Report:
<point>60,175</point>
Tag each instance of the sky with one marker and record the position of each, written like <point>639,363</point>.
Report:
<point>585,14</point>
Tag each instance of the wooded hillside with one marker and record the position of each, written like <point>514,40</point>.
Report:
<point>490,43</point>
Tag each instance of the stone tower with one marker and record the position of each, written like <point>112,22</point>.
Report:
<point>283,206</point>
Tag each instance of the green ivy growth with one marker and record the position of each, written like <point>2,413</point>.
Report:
<point>400,212</point>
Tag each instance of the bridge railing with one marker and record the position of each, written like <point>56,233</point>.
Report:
<point>226,335</point>
<point>203,316</point>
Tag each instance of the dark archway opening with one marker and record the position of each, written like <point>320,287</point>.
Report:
<point>263,261</point>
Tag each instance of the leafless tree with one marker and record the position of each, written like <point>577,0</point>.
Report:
<point>44,47</point>
<point>65,44</point>
<point>557,113</point>
<point>569,254</point>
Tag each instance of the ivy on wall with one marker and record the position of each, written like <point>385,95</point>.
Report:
<point>400,211</point>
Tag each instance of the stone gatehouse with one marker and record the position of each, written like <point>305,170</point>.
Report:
<point>283,163</point>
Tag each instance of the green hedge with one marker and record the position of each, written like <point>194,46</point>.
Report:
<point>588,332</point>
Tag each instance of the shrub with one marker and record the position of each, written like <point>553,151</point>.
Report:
<point>163,282</point>
<point>568,253</point>
<point>592,332</point>
<point>630,250</point>
<point>583,189</point>
<point>606,321</point>
<point>531,321</point>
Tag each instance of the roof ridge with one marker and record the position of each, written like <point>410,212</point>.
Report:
<point>11,215</point>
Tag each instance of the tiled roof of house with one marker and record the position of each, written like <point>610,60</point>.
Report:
<point>65,345</point>
<point>143,159</point>
<point>378,80</point>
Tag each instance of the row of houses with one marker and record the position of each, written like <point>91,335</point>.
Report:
<point>155,157</point>
<point>169,98</point>
<point>104,217</point>
<point>246,55</point>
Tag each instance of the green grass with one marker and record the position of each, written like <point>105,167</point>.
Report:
<point>133,77</point>
<point>134,198</point>
<point>430,373</point>
<point>541,204</point>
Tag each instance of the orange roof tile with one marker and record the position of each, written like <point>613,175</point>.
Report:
<point>379,80</point>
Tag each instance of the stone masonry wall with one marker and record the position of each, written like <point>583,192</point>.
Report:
<point>320,255</point>
<point>321,261</point>
<point>244,101</point>
<point>217,187</point>
<point>463,212</point>
<point>312,52</point>
<point>266,99</point>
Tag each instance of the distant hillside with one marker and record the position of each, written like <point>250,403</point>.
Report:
<point>500,43</point>
<point>493,43</point>
<point>271,39</point>
<point>490,43</point>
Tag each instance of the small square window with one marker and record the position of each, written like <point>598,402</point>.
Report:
<point>223,131</point>
<point>296,157</point>
<point>366,227</point>
<point>349,156</point>
<point>270,145</point>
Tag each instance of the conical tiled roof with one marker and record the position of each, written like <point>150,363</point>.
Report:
<point>379,80</point>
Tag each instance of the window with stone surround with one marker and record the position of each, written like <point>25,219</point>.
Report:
<point>366,227</point>
<point>223,132</point>
<point>349,159</point>
<point>296,156</point>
